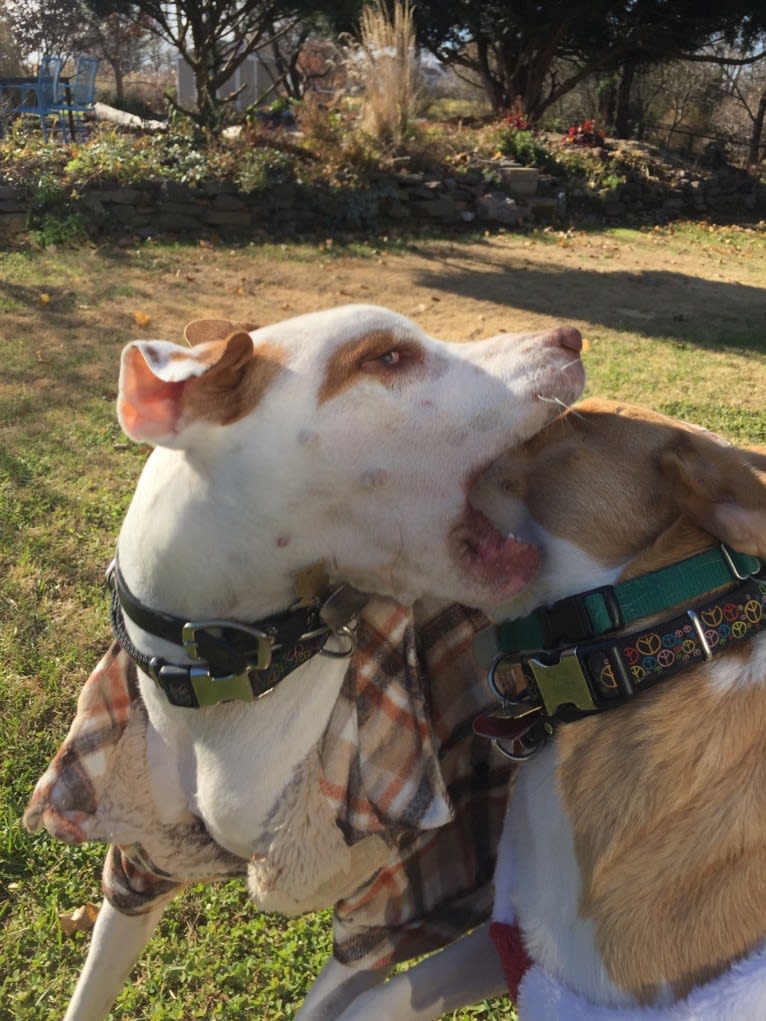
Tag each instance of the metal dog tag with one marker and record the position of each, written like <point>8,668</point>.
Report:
<point>342,606</point>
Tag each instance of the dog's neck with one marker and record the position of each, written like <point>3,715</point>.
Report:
<point>198,560</point>
<point>185,561</point>
<point>695,721</point>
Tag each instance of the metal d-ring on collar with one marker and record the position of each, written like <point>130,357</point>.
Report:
<point>345,632</point>
<point>517,712</point>
<point>233,661</point>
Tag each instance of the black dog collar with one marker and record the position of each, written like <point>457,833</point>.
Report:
<point>232,661</point>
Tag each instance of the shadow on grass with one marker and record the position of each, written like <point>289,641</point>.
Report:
<point>657,304</point>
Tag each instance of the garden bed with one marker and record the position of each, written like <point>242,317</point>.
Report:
<point>278,184</point>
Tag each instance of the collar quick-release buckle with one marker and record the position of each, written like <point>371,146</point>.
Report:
<point>571,620</point>
<point>210,689</point>
<point>564,680</point>
<point>263,644</point>
<point>196,687</point>
<point>569,675</point>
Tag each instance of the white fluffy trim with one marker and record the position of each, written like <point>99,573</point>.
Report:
<point>737,995</point>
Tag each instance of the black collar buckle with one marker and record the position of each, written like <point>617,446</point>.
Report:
<point>196,687</point>
<point>568,620</point>
<point>263,643</point>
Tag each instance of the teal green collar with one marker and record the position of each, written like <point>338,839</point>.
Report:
<point>577,657</point>
<point>602,611</point>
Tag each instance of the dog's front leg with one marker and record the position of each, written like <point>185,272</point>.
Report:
<point>115,946</point>
<point>335,988</point>
<point>465,972</point>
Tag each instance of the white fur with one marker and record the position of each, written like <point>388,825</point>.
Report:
<point>473,402</point>
<point>464,972</point>
<point>739,994</point>
<point>370,481</point>
<point>725,676</point>
<point>554,581</point>
<point>538,830</point>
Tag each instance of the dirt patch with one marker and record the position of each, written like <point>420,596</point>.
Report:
<point>689,286</point>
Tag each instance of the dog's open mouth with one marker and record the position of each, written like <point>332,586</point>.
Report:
<point>499,564</point>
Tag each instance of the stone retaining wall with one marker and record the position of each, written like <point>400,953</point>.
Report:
<point>493,194</point>
<point>670,192</point>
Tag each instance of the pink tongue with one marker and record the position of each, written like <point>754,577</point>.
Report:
<point>503,564</point>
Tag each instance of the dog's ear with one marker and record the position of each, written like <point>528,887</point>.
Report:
<point>721,488</point>
<point>202,331</point>
<point>163,386</point>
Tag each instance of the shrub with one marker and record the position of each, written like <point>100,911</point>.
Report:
<point>258,168</point>
<point>573,158</point>
<point>335,140</point>
<point>387,68</point>
<point>585,134</point>
<point>517,121</point>
<point>524,146</point>
<point>27,161</point>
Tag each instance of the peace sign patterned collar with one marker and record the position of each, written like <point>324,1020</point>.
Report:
<point>566,682</point>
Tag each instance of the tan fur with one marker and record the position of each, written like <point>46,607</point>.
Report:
<point>201,331</point>
<point>235,378</point>
<point>352,360</point>
<point>237,382</point>
<point>667,795</point>
<point>667,799</point>
<point>621,478</point>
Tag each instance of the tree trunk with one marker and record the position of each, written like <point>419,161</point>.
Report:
<point>208,106</point>
<point>623,121</point>
<point>757,132</point>
<point>119,82</point>
<point>607,102</point>
<point>492,86</point>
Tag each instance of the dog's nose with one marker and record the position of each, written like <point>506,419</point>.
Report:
<point>567,337</point>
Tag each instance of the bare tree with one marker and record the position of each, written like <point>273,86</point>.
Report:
<point>10,51</point>
<point>66,28</point>
<point>746,103</point>
<point>685,95</point>
<point>214,37</point>
<point>122,43</point>
<point>55,26</point>
<point>305,62</point>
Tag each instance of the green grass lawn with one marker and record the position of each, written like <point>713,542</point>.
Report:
<point>676,320</point>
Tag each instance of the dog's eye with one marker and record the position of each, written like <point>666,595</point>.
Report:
<point>393,365</point>
<point>390,358</point>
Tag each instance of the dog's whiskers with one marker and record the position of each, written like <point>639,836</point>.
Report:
<point>559,403</point>
<point>553,399</point>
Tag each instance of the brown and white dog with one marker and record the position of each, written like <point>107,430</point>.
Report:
<point>347,437</point>
<point>634,851</point>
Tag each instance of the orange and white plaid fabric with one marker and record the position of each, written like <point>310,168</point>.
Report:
<point>398,759</point>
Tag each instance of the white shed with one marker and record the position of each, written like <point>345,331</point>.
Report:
<point>256,73</point>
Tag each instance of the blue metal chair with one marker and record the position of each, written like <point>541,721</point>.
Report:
<point>39,99</point>
<point>80,97</point>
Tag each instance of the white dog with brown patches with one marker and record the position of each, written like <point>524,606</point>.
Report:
<point>347,437</point>
<point>634,852</point>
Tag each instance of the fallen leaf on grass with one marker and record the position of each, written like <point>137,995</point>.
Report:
<point>44,299</point>
<point>142,319</point>
<point>80,920</point>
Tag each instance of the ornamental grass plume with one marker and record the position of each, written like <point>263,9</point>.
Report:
<point>388,69</point>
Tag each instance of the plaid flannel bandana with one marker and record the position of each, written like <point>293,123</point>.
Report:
<point>398,762</point>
